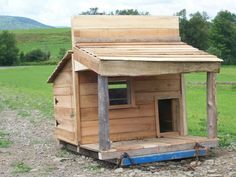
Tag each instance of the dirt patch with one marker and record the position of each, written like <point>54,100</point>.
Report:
<point>35,152</point>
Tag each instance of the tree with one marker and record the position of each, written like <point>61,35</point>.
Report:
<point>95,11</point>
<point>36,55</point>
<point>194,31</point>
<point>129,12</point>
<point>223,36</point>
<point>92,11</point>
<point>8,49</point>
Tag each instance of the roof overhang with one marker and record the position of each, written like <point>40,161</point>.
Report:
<point>140,59</point>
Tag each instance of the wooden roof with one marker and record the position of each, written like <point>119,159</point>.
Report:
<point>133,46</point>
<point>149,58</point>
<point>60,66</point>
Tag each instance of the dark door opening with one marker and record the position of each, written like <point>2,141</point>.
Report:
<point>165,115</point>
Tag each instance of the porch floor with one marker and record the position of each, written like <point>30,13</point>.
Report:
<point>169,143</point>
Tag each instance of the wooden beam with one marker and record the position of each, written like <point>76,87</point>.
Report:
<point>103,113</point>
<point>211,105</point>
<point>142,68</point>
<point>76,103</point>
<point>184,125</point>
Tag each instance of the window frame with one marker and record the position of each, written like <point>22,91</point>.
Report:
<point>131,92</point>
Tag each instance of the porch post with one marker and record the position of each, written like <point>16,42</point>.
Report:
<point>103,113</point>
<point>211,105</point>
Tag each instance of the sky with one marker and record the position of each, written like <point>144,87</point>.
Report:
<point>60,12</point>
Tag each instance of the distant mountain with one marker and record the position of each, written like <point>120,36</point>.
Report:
<point>14,22</point>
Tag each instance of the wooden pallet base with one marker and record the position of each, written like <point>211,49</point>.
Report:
<point>149,150</point>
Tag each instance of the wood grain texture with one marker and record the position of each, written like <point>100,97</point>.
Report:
<point>137,68</point>
<point>184,129</point>
<point>125,121</point>
<point>211,105</point>
<point>103,114</point>
<point>107,21</point>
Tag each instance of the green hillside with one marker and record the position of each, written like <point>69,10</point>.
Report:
<point>14,22</point>
<point>45,39</point>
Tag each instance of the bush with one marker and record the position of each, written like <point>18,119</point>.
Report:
<point>35,55</point>
<point>8,49</point>
<point>61,53</point>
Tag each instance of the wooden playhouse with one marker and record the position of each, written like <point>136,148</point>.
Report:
<point>120,91</point>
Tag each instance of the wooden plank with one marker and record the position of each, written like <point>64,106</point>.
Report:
<point>120,32</point>
<point>65,135</point>
<point>125,68</point>
<point>89,101</point>
<point>76,103</point>
<point>161,59</point>
<point>159,148</point>
<point>65,124</point>
<point>120,137</point>
<point>60,91</point>
<point>88,77</point>
<point>120,125</point>
<point>65,113</point>
<point>183,111</point>
<point>125,35</point>
<point>157,121</point>
<point>130,44</point>
<point>88,89</point>
<point>175,114</point>
<point>156,85</point>
<point>103,114</point>
<point>63,79</point>
<point>211,105</point>
<point>158,77</point>
<point>107,21</point>
<point>90,114</point>
<point>63,101</point>
<point>87,59</point>
<point>148,97</point>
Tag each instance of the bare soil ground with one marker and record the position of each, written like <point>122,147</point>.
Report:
<point>35,152</point>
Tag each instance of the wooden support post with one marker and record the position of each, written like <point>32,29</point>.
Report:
<point>103,113</point>
<point>211,105</point>
<point>184,126</point>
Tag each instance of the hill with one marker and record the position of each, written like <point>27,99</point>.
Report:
<point>51,40</point>
<point>14,22</point>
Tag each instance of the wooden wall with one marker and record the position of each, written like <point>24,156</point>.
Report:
<point>102,28</point>
<point>63,105</point>
<point>128,123</point>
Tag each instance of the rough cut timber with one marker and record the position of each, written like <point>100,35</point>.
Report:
<point>139,61</point>
<point>129,59</point>
<point>124,29</point>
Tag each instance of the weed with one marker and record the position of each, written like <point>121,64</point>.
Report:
<point>21,167</point>
<point>4,141</point>
<point>225,140</point>
<point>93,167</point>
<point>62,153</point>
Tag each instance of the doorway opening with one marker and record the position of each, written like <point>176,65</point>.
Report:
<point>168,110</point>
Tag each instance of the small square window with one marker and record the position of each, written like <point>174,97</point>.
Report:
<point>119,92</point>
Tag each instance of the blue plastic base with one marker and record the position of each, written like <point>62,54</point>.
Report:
<point>162,157</point>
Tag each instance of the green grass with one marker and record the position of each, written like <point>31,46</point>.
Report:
<point>21,167</point>
<point>25,89</point>
<point>45,39</point>
<point>4,141</point>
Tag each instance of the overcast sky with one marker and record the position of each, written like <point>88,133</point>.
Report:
<point>59,12</point>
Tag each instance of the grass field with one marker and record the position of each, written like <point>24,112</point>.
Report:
<point>25,89</point>
<point>45,39</point>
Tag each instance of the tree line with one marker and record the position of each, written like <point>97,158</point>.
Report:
<point>216,36</point>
